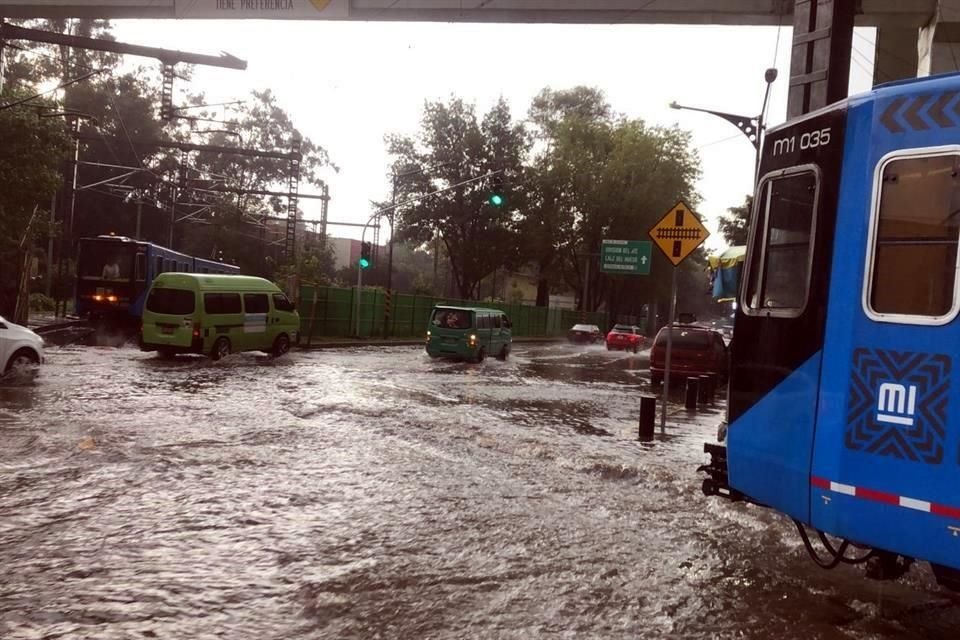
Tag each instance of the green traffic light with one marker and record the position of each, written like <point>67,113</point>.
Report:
<point>496,200</point>
<point>364,263</point>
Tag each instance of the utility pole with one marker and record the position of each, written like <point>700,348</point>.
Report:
<point>586,288</point>
<point>66,236</point>
<point>3,44</point>
<point>53,221</point>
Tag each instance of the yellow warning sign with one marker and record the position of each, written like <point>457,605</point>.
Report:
<point>679,233</point>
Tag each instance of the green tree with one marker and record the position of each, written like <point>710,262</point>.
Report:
<point>603,176</point>
<point>734,225</point>
<point>453,152</point>
<point>547,224</point>
<point>250,225</point>
<point>32,151</point>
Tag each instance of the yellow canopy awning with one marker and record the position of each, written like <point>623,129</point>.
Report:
<point>729,258</point>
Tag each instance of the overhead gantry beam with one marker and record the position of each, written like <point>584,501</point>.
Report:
<point>891,13</point>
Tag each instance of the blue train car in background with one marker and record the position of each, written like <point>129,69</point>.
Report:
<point>114,274</point>
<point>844,412</point>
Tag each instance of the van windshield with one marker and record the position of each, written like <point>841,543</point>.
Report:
<point>451,319</point>
<point>176,302</point>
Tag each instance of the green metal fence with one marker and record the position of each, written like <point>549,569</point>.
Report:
<point>331,312</point>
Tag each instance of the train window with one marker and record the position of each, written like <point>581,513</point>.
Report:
<point>778,277</point>
<point>912,267</point>
<point>140,268</point>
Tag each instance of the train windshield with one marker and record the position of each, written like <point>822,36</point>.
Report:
<point>779,270</point>
<point>102,261</point>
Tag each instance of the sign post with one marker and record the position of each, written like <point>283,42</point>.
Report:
<point>678,233</point>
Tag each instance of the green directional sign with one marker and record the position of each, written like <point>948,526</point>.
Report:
<point>630,257</point>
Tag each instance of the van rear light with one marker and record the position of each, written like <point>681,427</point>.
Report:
<point>196,330</point>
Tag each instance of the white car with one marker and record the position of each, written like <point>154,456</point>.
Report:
<point>19,346</point>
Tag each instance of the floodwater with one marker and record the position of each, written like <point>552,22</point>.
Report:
<point>375,493</point>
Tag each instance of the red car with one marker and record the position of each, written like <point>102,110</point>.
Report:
<point>696,351</point>
<point>625,337</point>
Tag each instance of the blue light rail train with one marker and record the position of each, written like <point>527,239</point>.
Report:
<point>843,411</point>
<point>114,274</point>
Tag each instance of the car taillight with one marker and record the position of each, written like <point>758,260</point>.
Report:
<point>196,330</point>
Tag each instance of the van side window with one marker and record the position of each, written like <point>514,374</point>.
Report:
<point>255,303</point>
<point>507,324</point>
<point>281,303</point>
<point>215,303</point>
<point>778,277</point>
<point>912,269</point>
<point>497,321</point>
<point>231,302</point>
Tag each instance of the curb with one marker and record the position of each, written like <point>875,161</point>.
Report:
<point>354,344</point>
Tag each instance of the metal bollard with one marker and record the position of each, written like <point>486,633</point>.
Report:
<point>692,393</point>
<point>648,415</point>
<point>704,388</point>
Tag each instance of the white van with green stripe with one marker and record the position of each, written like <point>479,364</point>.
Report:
<point>216,315</point>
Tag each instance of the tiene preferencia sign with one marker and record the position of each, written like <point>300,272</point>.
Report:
<point>267,9</point>
<point>625,256</point>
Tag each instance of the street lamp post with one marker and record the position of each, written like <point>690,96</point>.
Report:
<point>750,126</point>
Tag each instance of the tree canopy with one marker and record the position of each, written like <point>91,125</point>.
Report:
<point>734,225</point>
<point>457,157</point>
<point>576,173</point>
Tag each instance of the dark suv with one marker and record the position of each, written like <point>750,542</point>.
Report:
<point>696,351</point>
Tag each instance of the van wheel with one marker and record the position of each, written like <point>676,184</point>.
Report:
<point>221,349</point>
<point>280,346</point>
<point>481,355</point>
<point>503,353</point>
<point>20,359</point>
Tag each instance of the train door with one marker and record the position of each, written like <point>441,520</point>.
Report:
<point>781,314</point>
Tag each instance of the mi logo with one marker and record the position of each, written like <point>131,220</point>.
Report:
<point>897,404</point>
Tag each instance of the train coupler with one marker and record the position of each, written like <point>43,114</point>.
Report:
<point>717,483</point>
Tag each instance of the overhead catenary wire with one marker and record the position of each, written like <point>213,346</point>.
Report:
<point>864,63</point>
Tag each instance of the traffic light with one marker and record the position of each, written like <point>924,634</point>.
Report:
<point>366,254</point>
<point>496,198</point>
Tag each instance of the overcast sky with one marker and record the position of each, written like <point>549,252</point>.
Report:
<point>347,84</point>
